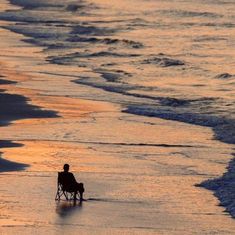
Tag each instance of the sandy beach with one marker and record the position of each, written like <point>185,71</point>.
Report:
<point>126,194</point>
<point>140,171</point>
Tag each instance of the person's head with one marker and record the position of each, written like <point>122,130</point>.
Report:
<point>66,167</point>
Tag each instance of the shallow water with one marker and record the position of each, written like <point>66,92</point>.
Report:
<point>104,73</point>
<point>172,59</point>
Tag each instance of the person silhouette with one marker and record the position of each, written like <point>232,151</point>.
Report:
<point>70,184</point>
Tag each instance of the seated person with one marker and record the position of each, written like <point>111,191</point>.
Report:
<point>69,182</point>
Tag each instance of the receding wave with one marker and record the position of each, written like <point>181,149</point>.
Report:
<point>163,61</point>
<point>28,4</point>
<point>224,128</point>
<point>108,41</point>
<point>183,13</point>
<point>223,187</point>
<point>224,76</point>
<point>71,58</point>
<point>209,38</point>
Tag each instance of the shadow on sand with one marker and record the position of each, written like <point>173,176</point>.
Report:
<point>10,165</point>
<point>67,208</point>
<point>14,107</point>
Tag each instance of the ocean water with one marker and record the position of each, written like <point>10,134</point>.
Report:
<point>167,59</point>
<point>172,60</point>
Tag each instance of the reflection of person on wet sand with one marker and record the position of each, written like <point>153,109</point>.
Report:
<point>70,184</point>
<point>66,209</point>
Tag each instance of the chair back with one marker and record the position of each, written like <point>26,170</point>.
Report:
<point>60,180</point>
<point>63,181</point>
<point>60,187</point>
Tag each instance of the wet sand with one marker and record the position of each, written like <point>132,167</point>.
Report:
<point>139,172</point>
<point>126,192</point>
